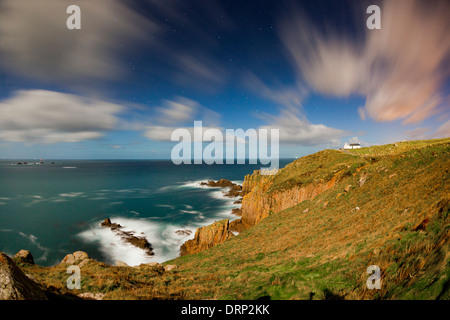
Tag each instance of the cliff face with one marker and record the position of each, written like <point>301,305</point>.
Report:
<point>207,237</point>
<point>259,201</point>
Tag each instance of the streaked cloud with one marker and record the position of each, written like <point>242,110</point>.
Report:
<point>36,43</point>
<point>400,69</point>
<point>295,128</point>
<point>41,116</point>
<point>179,113</point>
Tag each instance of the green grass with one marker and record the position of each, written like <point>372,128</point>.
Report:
<point>322,253</point>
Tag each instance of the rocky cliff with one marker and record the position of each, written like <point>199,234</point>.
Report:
<point>207,237</point>
<point>260,200</point>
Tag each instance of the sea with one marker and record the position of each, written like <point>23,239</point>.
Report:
<point>56,207</point>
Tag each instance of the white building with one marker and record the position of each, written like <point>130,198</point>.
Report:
<point>352,146</point>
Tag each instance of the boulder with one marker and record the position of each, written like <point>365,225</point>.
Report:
<point>75,257</point>
<point>85,262</point>
<point>15,285</point>
<point>24,256</point>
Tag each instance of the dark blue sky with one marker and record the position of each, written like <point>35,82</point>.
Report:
<point>137,70</point>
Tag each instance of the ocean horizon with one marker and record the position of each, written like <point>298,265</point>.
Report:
<point>55,208</point>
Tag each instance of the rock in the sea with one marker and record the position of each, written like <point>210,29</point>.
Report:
<point>207,237</point>
<point>24,256</point>
<point>108,224</point>
<point>183,232</point>
<point>234,190</point>
<point>129,237</point>
<point>15,285</point>
<point>140,242</point>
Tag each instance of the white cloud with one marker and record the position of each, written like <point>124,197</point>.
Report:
<point>180,110</point>
<point>41,116</point>
<point>295,128</point>
<point>176,114</point>
<point>400,69</point>
<point>443,131</point>
<point>36,43</point>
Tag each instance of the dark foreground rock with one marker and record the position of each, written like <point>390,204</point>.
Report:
<point>15,285</point>
<point>129,237</point>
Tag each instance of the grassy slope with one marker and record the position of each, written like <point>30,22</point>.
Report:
<point>322,252</point>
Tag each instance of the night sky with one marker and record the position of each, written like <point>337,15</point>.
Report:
<point>137,70</point>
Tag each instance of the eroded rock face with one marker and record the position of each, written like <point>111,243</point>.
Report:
<point>207,237</point>
<point>257,205</point>
<point>15,285</point>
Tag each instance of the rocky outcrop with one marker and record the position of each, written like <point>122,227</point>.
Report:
<point>257,203</point>
<point>253,180</point>
<point>207,237</point>
<point>75,258</point>
<point>234,190</point>
<point>15,285</point>
<point>129,237</point>
<point>24,256</point>
<point>183,232</point>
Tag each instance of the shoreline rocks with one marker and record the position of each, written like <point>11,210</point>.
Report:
<point>129,237</point>
<point>234,190</point>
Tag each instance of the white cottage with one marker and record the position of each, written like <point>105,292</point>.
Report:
<point>352,146</point>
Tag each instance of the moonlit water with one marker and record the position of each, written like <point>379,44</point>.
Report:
<point>56,209</point>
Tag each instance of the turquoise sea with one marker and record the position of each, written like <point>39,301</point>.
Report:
<point>55,208</point>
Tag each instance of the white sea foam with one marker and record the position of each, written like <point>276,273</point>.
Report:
<point>166,206</point>
<point>165,242</point>
<point>71,194</point>
<point>69,167</point>
<point>190,211</point>
<point>161,234</point>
